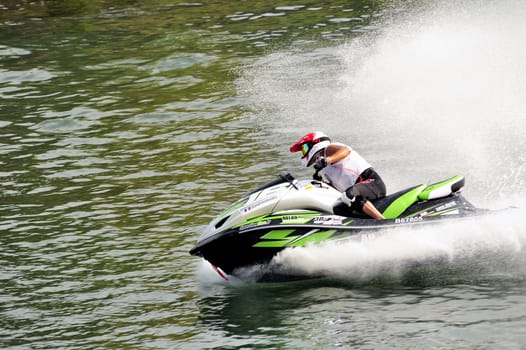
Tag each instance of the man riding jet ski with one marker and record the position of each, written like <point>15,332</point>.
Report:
<point>344,169</point>
<point>287,212</point>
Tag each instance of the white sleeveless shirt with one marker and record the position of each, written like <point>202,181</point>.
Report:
<point>343,174</point>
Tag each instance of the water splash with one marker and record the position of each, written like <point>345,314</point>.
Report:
<point>492,245</point>
<point>448,86</point>
<point>436,91</point>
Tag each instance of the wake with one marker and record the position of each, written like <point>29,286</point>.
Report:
<point>490,245</point>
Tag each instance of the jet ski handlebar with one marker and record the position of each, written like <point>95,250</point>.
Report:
<point>281,179</point>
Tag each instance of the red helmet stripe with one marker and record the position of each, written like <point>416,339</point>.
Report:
<point>307,138</point>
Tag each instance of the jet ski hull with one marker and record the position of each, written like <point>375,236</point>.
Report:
<point>256,228</point>
<point>259,242</point>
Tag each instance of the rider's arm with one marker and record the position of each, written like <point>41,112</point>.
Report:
<point>336,152</point>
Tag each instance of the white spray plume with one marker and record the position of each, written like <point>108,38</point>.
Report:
<point>447,86</point>
<point>494,241</point>
<point>433,93</point>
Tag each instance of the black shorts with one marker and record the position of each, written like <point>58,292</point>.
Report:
<point>369,186</point>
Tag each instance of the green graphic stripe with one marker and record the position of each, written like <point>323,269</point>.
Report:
<point>402,203</point>
<point>278,234</point>
<point>276,239</point>
<point>234,207</point>
<point>283,238</point>
<point>313,238</point>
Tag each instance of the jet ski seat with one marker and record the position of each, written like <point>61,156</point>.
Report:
<point>443,188</point>
<point>394,205</point>
<point>404,199</point>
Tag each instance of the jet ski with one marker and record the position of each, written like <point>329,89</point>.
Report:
<point>287,213</point>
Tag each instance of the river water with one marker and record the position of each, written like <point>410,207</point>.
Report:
<point>125,126</point>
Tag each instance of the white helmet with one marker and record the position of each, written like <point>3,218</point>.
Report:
<point>310,145</point>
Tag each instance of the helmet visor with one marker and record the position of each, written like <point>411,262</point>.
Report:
<point>305,149</point>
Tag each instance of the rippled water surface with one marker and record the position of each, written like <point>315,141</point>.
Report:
<point>125,126</point>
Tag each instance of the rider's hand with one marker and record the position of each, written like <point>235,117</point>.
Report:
<point>320,163</point>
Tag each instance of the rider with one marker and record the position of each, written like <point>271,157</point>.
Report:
<point>343,168</point>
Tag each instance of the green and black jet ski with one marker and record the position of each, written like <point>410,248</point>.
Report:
<point>288,213</point>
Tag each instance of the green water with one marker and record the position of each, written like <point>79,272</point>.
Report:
<point>125,126</point>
